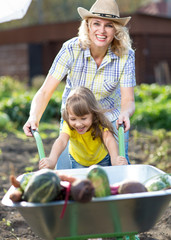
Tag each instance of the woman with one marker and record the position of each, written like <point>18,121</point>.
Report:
<point>88,131</point>
<point>101,59</point>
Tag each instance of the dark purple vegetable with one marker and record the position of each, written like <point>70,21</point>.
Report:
<point>128,187</point>
<point>82,190</point>
<point>16,196</point>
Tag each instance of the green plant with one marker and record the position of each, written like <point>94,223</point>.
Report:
<point>9,85</point>
<point>4,120</point>
<point>7,223</point>
<point>153,107</point>
<point>16,101</point>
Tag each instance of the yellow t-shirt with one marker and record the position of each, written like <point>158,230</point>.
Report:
<point>83,148</point>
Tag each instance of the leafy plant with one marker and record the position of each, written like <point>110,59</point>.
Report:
<point>4,120</point>
<point>8,85</point>
<point>15,104</point>
<point>153,107</point>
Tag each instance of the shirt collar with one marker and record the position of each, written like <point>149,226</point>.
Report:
<point>110,54</point>
<point>87,53</point>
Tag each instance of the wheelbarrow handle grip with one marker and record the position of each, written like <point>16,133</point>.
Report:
<point>121,139</point>
<point>39,143</point>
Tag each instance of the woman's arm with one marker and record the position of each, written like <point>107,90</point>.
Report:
<point>127,107</point>
<point>57,148</point>
<point>39,104</point>
<point>112,148</point>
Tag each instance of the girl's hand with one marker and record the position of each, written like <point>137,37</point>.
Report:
<point>46,163</point>
<point>120,161</point>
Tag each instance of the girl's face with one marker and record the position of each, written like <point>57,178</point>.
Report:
<point>101,32</point>
<point>80,124</point>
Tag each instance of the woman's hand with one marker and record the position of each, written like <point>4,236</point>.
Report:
<point>120,161</point>
<point>123,119</point>
<point>46,163</point>
<point>30,124</point>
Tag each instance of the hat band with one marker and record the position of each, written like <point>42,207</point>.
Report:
<point>105,15</point>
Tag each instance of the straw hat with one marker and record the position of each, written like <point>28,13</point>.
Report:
<point>106,9</point>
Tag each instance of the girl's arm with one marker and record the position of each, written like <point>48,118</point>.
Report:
<point>39,104</point>
<point>112,148</point>
<point>57,148</point>
<point>127,107</point>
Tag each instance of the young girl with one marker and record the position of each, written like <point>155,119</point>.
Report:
<point>89,132</point>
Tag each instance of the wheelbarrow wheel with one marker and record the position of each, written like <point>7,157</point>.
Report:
<point>133,237</point>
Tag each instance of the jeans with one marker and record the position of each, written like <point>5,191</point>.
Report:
<point>64,161</point>
<point>105,162</point>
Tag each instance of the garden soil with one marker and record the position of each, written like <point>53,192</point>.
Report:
<point>17,154</point>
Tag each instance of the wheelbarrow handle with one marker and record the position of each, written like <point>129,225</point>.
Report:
<point>39,143</point>
<point>121,140</point>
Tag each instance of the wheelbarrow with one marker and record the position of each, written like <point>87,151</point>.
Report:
<point>121,216</point>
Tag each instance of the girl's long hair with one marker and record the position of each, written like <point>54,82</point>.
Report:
<point>82,101</point>
<point>121,42</point>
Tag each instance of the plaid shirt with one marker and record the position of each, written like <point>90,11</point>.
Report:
<point>105,81</point>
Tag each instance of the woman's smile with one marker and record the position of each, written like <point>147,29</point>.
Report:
<point>101,37</point>
<point>101,32</point>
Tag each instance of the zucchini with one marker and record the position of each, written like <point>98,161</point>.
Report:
<point>98,176</point>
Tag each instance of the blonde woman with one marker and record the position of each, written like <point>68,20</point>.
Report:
<point>101,59</point>
<point>89,133</point>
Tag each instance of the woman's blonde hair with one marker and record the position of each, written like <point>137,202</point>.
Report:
<point>121,42</point>
<point>82,101</point>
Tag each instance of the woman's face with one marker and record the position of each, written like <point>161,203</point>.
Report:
<point>101,32</point>
<point>80,124</point>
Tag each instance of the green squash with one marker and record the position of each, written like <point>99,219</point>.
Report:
<point>98,176</point>
<point>44,186</point>
<point>158,182</point>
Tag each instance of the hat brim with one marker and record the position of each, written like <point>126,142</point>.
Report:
<point>84,14</point>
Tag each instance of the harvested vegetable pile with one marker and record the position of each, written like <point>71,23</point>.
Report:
<point>50,185</point>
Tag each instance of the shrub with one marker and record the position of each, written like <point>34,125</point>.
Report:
<point>153,104</point>
<point>4,121</point>
<point>16,103</point>
<point>153,107</point>
<point>8,85</point>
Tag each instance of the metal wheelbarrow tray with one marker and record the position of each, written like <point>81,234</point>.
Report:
<point>117,216</point>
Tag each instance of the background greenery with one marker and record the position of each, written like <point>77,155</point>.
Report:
<point>150,137</point>
<point>153,105</point>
